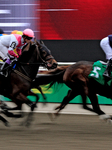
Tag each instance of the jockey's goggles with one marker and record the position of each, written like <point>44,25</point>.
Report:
<point>28,38</point>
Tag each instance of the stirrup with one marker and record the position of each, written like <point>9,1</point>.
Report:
<point>4,74</point>
<point>106,74</point>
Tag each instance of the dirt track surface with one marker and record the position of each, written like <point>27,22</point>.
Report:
<point>67,132</point>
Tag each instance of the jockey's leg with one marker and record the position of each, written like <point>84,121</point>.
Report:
<point>108,70</point>
<point>3,71</point>
<point>5,67</point>
<point>2,55</point>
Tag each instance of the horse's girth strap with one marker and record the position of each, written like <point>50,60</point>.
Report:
<point>22,75</point>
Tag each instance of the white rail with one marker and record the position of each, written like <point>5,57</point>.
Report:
<point>59,63</point>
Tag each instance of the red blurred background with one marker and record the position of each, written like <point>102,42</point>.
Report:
<point>75,19</point>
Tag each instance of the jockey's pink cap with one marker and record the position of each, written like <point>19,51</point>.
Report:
<point>28,32</point>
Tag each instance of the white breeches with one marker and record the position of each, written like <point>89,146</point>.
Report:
<point>3,51</point>
<point>106,48</point>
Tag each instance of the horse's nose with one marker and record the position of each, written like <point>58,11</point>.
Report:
<point>53,66</point>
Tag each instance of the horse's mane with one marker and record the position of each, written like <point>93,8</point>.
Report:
<point>27,52</point>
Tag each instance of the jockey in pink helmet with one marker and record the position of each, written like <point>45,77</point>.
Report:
<point>9,42</point>
<point>28,33</point>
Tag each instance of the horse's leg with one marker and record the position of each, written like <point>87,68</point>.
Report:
<point>10,114</point>
<point>37,97</point>
<point>5,111</point>
<point>44,97</point>
<point>84,102</point>
<point>65,101</point>
<point>70,95</point>
<point>39,88</point>
<point>4,121</point>
<point>94,101</point>
<point>30,93</point>
<point>22,98</point>
<point>60,107</point>
<point>5,107</point>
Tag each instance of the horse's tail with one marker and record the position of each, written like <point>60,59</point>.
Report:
<point>57,78</point>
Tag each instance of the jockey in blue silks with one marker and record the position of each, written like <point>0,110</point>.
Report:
<point>106,45</point>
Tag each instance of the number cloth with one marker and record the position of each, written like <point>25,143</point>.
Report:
<point>97,72</point>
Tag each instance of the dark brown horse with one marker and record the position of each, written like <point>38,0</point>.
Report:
<point>18,84</point>
<point>76,78</point>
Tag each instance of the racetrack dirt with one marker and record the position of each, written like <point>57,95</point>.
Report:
<point>67,132</point>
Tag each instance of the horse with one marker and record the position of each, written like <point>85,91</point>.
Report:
<point>76,78</point>
<point>22,72</point>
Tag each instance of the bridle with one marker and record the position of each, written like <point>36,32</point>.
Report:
<point>44,63</point>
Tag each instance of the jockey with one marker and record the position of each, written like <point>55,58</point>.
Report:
<point>1,32</point>
<point>9,42</point>
<point>106,45</point>
<point>16,32</point>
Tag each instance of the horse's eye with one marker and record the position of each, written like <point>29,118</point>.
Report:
<point>49,51</point>
<point>44,53</point>
<point>40,47</point>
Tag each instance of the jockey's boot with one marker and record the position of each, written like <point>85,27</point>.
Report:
<point>3,71</point>
<point>107,72</point>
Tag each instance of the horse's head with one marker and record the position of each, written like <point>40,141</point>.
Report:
<point>46,55</point>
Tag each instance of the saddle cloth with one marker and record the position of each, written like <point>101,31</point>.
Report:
<point>97,72</point>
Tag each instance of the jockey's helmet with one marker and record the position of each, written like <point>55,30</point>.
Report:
<point>28,33</point>
<point>1,31</point>
<point>19,32</point>
<point>14,31</point>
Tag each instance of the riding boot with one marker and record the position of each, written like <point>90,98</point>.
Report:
<point>108,70</point>
<point>3,71</point>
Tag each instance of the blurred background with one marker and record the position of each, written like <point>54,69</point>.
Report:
<point>18,15</point>
<point>71,28</point>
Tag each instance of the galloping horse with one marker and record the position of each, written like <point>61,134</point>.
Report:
<point>76,78</point>
<point>18,84</point>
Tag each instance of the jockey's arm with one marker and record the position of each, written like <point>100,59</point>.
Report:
<point>19,51</point>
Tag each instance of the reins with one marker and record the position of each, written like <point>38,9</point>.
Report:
<point>31,63</point>
<point>22,75</point>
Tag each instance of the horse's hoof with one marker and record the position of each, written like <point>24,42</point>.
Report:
<point>33,106</point>
<point>105,117</point>
<point>7,124</point>
<point>52,116</point>
<point>109,121</point>
<point>28,124</point>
